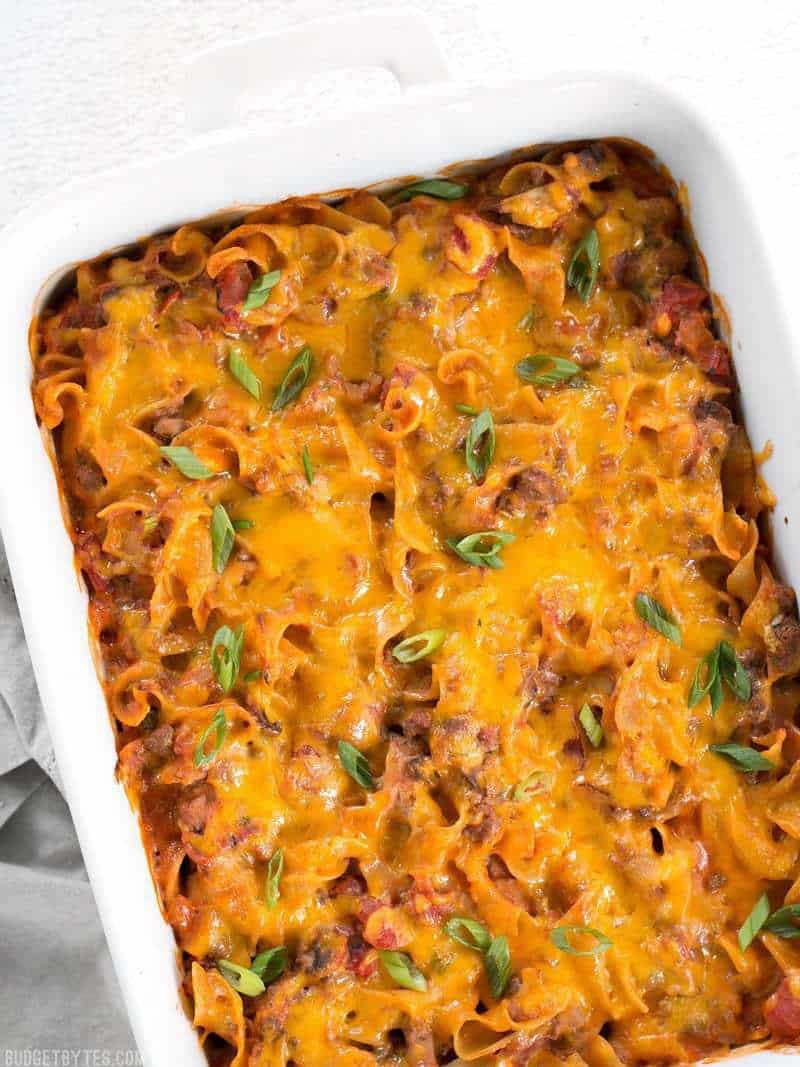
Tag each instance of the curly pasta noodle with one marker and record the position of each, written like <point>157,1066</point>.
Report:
<point>424,568</point>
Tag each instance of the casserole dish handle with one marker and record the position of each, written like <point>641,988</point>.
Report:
<point>401,42</point>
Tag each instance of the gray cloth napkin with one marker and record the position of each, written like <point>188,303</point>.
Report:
<point>59,998</point>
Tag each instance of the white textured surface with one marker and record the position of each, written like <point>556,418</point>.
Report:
<point>89,83</point>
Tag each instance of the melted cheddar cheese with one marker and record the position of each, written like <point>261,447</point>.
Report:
<point>268,444</point>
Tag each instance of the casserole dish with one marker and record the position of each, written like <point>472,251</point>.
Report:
<point>39,558</point>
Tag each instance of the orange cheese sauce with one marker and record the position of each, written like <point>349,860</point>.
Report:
<point>610,873</point>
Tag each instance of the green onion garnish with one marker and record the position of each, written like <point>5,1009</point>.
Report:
<point>259,292</point>
<point>242,373</point>
<point>355,763</point>
<point>418,646</point>
<point>480,445</point>
<point>591,727</point>
<point>186,462</point>
<point>546,370</point>
<point>649,609</point>
<point>226,653</point>
<point>294,380</point>
<point>560,938</point>
<point>440,188</point>
<point>218,724</point>
<point>584,265</point>
<point>481,549</point>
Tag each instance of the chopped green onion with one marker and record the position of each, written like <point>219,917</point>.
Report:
<point>440,963</point>
<point>719,665</point>
<point>591,727</point>
<point>584,265</point>
<point>272,889</point>
<point>533,783</point>
<point>746,759</point>
<point>754,921</point>
<point>270,964</point>
<point>242,979</point>
<point>226,653</point>
<point>218,724</point>
<point>480,445</point>
<point>708,669</point>
<point>468,932</point>
<point>294,380</point>
<point>186,462</point>
<point>525,324</point>
<point>242,373</point>
<point>355,763</point>
<point>242,524</point>
<point>466,409</point>
<point>307,466</point>
<point>402,970</point>
<point>781,923</point>
<point>440,188</point>
<point>149,523</point>
<point>222,538</point>
<point>546,370</point>
<point>649,609</point>
<point>418,646</point>
<point>497,961</point>
<point>470,550</point>
<point>496,957</point>
<point>560,938</point>
<point>253,676</point>
<point>733,673</point>
<point>259,292</point>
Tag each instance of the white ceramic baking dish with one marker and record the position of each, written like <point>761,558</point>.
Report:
<point>431,125</point>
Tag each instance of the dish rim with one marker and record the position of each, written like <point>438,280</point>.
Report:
<point>32,481</point>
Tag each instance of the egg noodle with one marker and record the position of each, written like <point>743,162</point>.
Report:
<point>448,672</point>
